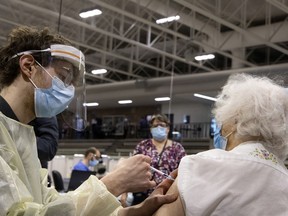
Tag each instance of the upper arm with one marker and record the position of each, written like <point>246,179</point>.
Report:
<point>174,208</point>
<point>46,131</point>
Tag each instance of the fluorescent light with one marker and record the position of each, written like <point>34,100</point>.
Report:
<point>104,156</point>
<point>205,97</point>
<point>60,156</point>
<point>99,71</point>
<point>162,99</point>
<point>90,104</point>
<point>204,57</point>
<point>125,101</point>
<point>90,13</point>
<point>167,19</point>
<point>78,155</point>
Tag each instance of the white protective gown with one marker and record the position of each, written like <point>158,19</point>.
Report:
<point>248,180</point>
<point>23,182</point>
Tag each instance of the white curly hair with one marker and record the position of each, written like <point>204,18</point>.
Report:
<point>259,108</point>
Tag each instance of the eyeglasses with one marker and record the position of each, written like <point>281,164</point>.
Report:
<point>159,124</point>
<point>65,74</point>
<point>64,71</point>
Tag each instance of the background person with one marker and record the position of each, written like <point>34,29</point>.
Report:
<point>38,71</point>
<point>91,159</point>
<point>247,173</point>
<point>165,153</point>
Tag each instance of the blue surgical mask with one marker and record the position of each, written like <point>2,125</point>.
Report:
<point>220,142</point>
<point>159,133</point>
<point>54,100</point>
<point>93,162</point>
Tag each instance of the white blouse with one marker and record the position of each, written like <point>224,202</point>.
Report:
<point>247,180</point>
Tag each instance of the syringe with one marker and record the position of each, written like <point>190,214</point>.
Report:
<point>162,173</point>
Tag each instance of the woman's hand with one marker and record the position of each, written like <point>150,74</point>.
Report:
<point>154,201</point>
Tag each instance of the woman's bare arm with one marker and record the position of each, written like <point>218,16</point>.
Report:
<point>174,208</point>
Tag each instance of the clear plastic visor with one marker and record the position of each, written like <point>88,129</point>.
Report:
<point>75,115</point>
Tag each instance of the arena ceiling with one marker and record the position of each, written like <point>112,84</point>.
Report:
<point>145,60</point>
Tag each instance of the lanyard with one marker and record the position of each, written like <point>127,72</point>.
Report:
<point>160,156</point>
<point>161,153</point>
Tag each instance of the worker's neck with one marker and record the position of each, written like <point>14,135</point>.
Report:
<point>20,102</point>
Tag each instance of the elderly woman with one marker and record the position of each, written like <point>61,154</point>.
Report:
<point>247,175</point>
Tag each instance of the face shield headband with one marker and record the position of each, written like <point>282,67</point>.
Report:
<point>64,52</point>
<point>74,115</point>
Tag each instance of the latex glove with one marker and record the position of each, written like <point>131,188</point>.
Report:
<point>131,175</point>
<point>154,201</point>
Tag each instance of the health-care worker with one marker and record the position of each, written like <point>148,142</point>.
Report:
<point>38,75</point>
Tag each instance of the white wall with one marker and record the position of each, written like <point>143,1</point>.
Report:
<point>199,112</point>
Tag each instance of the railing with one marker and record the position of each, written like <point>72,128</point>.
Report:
<point>180,131</point>
<point>193,130</point>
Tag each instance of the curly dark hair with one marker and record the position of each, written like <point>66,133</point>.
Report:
<point>21,39</point>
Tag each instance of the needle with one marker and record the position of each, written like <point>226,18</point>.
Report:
<point>162,173</point>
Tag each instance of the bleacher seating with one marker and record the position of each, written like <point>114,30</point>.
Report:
<point>123,147</point>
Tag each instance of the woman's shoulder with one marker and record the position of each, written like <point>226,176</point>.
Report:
<point>175,144</point>
<point>146,142</point>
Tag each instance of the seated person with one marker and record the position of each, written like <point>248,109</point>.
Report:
<point>247,172</point>
<point>91,159</point>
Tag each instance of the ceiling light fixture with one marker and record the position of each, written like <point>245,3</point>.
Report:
<point>91,104</point>
<point>99,71</point>
<point>90,13</point>
<point>168,19</point>
<point>205,97</point>
<point>204,57</point>
<point>78,155</point>
<point>162,99</point>
<point>125,101</point>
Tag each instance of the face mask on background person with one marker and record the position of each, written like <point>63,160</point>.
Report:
<point>93,162</point>
<point>54,100</point>
<point>159,133</point>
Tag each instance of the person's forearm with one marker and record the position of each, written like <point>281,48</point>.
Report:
<point>132,210</point>
<point>142,209</point>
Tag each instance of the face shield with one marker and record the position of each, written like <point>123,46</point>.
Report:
<point>65,63</point>
<point>75,114</point>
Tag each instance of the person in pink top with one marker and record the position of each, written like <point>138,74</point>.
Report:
<point>164,152</point>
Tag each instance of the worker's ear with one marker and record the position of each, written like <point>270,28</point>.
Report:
<point>27,65</point>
